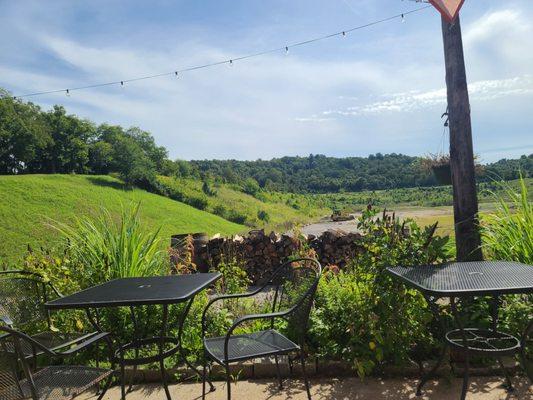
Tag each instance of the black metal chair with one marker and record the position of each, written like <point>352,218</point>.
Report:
<point>22,298</point>
<point>60,382</point>
<point>292,286</point>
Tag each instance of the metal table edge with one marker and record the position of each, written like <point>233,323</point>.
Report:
<point>457,293</point>
<point>50,305</point>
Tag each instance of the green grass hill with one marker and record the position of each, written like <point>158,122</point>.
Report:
<point>28,202</point>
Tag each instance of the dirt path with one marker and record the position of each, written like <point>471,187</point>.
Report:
<point>425,216</point>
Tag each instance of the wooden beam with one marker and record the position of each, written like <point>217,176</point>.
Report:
<point>465,206</point>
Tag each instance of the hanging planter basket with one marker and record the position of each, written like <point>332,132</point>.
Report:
<point>442,173</point>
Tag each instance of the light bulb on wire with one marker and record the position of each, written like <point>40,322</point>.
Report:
<point>286,49</point>
<point>67,93</point>
<point>403,19</point>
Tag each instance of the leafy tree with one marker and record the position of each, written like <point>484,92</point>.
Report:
<point>23,135</point>
<point>250,186</point>
<point>100,157</point>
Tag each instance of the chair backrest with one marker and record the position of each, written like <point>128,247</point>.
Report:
<point>9,383</point>
<point>22,298</point>
<point>11,356</point>
<point>295,283</point>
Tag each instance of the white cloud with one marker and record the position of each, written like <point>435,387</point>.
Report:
<point>276,104</point>
<point>414,100</point>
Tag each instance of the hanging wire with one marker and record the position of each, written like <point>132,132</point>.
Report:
<point>445,129</point>
<point>228,61</point>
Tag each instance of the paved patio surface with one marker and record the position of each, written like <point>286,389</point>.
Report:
<point>336,389</point>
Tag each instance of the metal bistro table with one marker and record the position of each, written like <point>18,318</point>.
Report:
<point>135,292</point>
<point>463,281</point>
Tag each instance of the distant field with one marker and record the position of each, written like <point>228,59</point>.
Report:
<point>27,202</point>
<point>413,197</point>
<point>280,211</point>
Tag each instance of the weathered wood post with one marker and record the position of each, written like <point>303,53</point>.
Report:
<point>465,205</point>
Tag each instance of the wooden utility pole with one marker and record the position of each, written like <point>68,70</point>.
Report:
<point>465,206</point>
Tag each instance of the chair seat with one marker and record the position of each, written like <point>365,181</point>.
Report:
<point>50,340</point>
<point>57,383</point>
<point>248,346</point>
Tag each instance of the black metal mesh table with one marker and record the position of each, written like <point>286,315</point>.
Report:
<point>135,292</point>
<point>476,278</point>
<point>462,280</point>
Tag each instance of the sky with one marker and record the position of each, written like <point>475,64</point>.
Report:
<point>378,89</point>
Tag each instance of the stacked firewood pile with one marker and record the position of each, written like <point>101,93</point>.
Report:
<point>261,253</point>
<point>335,247</point>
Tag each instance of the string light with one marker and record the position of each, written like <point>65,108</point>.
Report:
<point>67,93</point>
<point>228,61</point>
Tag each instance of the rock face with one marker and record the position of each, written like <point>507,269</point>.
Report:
<point>261,253</point>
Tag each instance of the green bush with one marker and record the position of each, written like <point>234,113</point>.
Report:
<point>103,249</point>
<point>364,316</point>
<point>508,232</point>
<point>263,215</point>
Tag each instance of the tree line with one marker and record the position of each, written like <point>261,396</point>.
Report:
<point>36,141</point>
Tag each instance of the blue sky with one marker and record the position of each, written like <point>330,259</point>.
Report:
<point>379,89</point>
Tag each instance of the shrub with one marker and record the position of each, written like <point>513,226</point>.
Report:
<point>196,202</point>
<point>251,187</point>
<point>208,189</point>
<point>105,249</point>
<point>237,217</point>
<point>263,215</point>
<point>364,316</point>
<point>508,232</point>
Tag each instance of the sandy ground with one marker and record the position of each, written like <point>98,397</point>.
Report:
<point>428,215</point>
<point>338,389</point>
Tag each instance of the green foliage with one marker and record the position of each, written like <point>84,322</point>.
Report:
<point>36,141</point>
<point>106,249</point>
<point>233,205</point>
<point>208,189</point>
<point>364,316</point>
<point>28,202</point>
<point>251,187</point>
<point>320,174</point>
<point>508,232</point>
<point>263,215</point>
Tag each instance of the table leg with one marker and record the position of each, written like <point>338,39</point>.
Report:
<point>526,364</point>
<point>95,322</point>
<point>494,308</point>
<point>460,324</point>
<point>182,350</point>
<point>136,337</point>
<point>161,350</point>
<point>432,303</point>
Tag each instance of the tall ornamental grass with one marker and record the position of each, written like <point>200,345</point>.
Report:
<point>105,248</point>
<point>508,232</point>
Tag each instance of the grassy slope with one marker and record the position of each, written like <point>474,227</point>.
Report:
<point>284,210</point>
<point>27,201</point>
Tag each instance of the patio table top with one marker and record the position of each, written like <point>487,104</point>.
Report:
<point>474,278</point>
<point>137,291</point>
